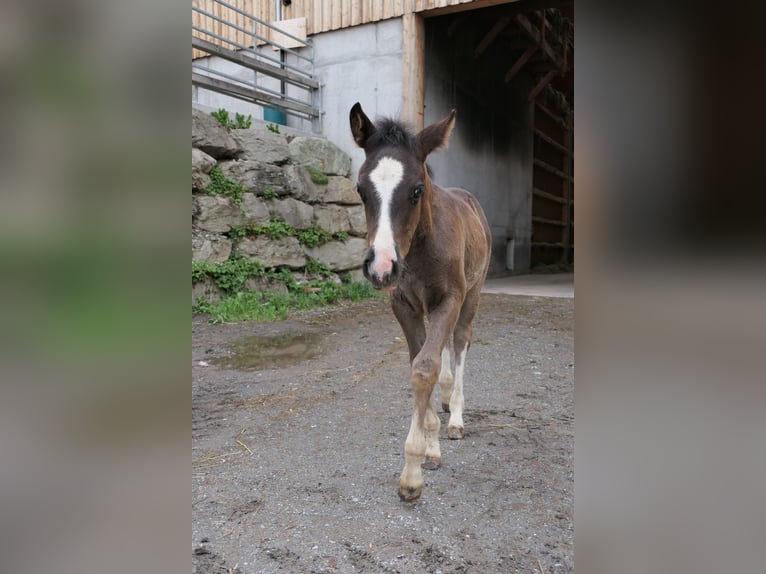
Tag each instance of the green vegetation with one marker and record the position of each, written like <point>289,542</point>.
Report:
<point>240,122</point>
<point>314,267</point>
<point>238,305</point>
<point>273,128</point>
<point>222,185</point>
<point>270,194</point>
<point>256,306</point>
<point>229,276</point>
<point>311,237</point>
<point>316,175</point>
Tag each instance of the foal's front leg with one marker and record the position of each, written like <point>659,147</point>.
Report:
<point>423,439</point>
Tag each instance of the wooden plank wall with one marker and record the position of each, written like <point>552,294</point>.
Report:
<point>321,15</point>
<point>326,15</point>
<point>221,29</point>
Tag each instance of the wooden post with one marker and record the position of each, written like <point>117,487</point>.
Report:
<point>413,55</point>
<point>568,185</point>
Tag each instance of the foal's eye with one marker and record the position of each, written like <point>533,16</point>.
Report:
<point>361,193</point>
<point>415,194</point>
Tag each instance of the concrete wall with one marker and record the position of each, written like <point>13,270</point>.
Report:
<point>491,148</point>
<point>361,64</point>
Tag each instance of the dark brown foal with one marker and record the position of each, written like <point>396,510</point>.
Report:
<point>429,246</point>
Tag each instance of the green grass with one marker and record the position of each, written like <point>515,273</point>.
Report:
<point>256,306</point>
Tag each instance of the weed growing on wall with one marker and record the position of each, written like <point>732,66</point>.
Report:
<point>222,185</point>
<point>314,267</point>
<point>230,275</point>
<point>317,176</point>
<point>311,237</point>
<point>240,121</point>
<point>238,305</point>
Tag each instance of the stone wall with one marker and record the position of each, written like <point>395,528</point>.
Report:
<point>272,168</point>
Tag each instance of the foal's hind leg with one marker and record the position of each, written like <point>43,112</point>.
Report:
<point>445,376</point>
<point>462,342</point>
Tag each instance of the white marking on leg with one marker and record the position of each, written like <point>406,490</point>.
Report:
<point>385,178</point>
<point>445,378</point>
<point>411,478</point>
<point>433,456</point>
<point>455,426</point>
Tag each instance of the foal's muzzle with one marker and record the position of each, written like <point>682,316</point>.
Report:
<point>382,269</point>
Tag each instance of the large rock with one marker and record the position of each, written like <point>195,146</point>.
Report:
<point>202,163</point>
<point>215,213</point>
<point>293,212</point>
<point>210,247</point>
<point>357,275</point>
<point>262,145</point>
<point>305,189</point>
<point>212,138</point>
<point>265,284</point>
<point>332,218</point>
<point>340,255</point>
<point>206,290</point>
<point>320,153</point>
<point>340,190</point>
<point>255,209</point>
<point>257,176</point>
<point>357,220</point>
<point>285,251</point>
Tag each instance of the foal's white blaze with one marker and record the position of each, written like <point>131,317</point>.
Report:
<point>385,178</point>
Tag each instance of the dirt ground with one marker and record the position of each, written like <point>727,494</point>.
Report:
<point>298,432</point>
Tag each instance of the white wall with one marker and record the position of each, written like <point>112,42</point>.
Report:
<point>361,64</point>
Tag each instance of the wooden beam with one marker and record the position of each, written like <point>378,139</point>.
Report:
<point>552,142</point>
<point>567,188</point>
<point>413,56</point>
<point>490,36</point>
<point>526,25</point>
<point>250,94</point>
<point>546,221</point>
<point>544,81</point>
<point>552,169</point>
<point>251,63</point>
<point>518,64</point>
<point>546,195</point>
<point>556,118</point>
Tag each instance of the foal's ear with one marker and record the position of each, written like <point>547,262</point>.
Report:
<point>361,126</point>
<point>435,136</point>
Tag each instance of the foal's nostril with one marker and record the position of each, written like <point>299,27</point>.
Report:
<point>394,269</point>
<point>369,257</point>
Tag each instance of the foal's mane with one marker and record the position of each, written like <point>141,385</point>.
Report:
<point>390,131</point>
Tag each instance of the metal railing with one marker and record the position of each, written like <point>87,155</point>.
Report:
<point>295,89</point>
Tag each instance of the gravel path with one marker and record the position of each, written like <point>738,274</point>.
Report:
<point>298,432</point>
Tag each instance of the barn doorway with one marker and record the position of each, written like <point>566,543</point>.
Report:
<point>508,70</point>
